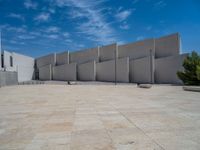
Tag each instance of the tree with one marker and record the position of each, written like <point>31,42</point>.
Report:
<point>191,73</point>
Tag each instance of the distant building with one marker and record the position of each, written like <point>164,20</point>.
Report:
<point>148,61</point>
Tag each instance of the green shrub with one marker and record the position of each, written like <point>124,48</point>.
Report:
<point>191,73</point>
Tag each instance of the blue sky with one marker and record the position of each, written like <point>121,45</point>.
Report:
<point>39,27</point>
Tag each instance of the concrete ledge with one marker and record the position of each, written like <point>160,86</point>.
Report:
<point>192,88</point>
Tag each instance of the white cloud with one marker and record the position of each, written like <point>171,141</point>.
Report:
<point>53,29</point>
<point>94,25</point>
<point>26,37</point>
<point>148,28</point>
<point>17,16</point>
<point>160,4</point>
<point>124,26</point>
<point>7,27</point>
<point>42,17</point>
<point>53,36</point>
<point>123,15</point>
<point>135,1</point>
<point>66,34</point>
<point>30,5</point>
<point>140,38</point>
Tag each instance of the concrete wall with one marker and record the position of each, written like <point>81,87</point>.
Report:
<point>45,72</point>
<point>6,60</point>
<point>107,52</point>
<point>66,72</point>
<point>8,78</point>
<point>166,69</point>
<point>46,60</point>
<point>167,46</point>
<point>142,70</point>
<point>84,56</point>
<point>62,58</point>
<point>136,50</point>
<point>106,70</point>
<point>87,71</point>
<point>25,67</point>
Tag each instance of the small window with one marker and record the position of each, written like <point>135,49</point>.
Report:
<point>11,61</point>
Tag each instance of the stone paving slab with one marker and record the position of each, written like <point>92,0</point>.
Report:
<point>98,117</point>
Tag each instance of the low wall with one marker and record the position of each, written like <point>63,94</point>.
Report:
<point>8,78</point>
<point>142,70</point>
<point>87,71</point>
<point>106,70</point>
<point>166,69</point>
<point>66,72</point>
<point>84,56</point>
<point>45,72</point>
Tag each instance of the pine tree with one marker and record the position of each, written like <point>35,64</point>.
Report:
<point>191,73</point>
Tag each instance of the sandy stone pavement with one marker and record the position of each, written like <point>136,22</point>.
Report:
<point>98,117</point>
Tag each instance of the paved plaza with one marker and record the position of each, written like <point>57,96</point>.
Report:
<point>98,117</point>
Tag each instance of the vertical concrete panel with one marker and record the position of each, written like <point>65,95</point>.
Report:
<point>87,71</point>
<point>142,70</point>
<point>106,70</point>
<point>107,52</point>
<point>166,69</point>
<point>66,72</point>
<point>62,58</point>
<point>137,50</point>
<point>123,70</point>
<point>167,46</point>
<point>45,72</point>
<point>84,56</point>
<point>25,67</point>
<point>46,60</point>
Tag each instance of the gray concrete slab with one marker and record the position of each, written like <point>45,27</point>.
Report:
<point>45,72</point>
<point>166,69</point>
<point>106,70</point>
<point>137,50</point>
<point>62,58</point>
<point>46,60</point>
<point>87,71</point>
<point>108,52</point>
<point>85,56</point>
<point>142,70</point>
<point>66,72</point>
<point>167,46</point>
<point>8,78</point>
<point>91,117</point>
